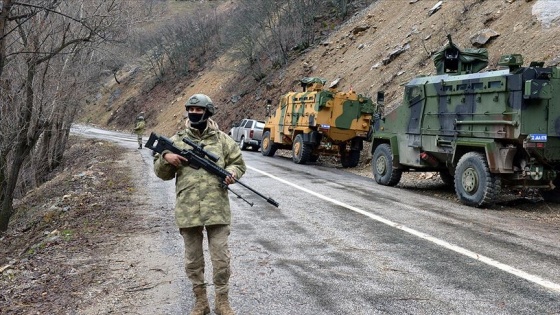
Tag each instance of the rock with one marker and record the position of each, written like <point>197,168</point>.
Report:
<point>360,29</point>
<point>395,53</point>
<point>334,83</point>
<point>435,8</point>
<point>483,37</point>
<point>5,268</point>
<point>554,62</point>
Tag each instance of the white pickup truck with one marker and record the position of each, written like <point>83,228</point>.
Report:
<point>247,133</point>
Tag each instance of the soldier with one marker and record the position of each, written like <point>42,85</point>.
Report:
<point>139,128</point>
<point>202,201</point>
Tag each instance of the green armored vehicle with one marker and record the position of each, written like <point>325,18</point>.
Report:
<point>480,130</point>
<point>318,122</point>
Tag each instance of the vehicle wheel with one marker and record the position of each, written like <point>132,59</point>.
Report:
<point>242,144</point>
<point>447,178</point>
<point>268,147</point>
<point>301,152</point>
<point>554,194</point>
<point>474,184</point>
<point>382,164</point>
<point>350,158</point>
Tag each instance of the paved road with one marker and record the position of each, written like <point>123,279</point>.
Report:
<point>341,244</point>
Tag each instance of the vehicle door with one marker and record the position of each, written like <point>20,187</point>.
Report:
<point>238,131</point>
<point>416,99</point>
<point>247,130</point>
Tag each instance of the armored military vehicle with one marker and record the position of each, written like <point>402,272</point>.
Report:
<point>480,130</point>
<point>319,122</point>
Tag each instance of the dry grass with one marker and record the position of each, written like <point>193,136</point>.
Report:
<point>49,254</point>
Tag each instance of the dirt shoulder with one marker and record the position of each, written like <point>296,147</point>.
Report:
<point>90,241</point>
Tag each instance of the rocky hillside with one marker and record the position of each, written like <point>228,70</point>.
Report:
<point>381,47</point>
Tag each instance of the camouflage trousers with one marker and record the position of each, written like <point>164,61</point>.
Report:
<point>219,255</point>
<point>139,140</point>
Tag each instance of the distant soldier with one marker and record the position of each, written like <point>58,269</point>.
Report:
<point>139,128</point>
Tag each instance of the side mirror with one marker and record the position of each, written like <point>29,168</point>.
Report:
<point>380,98</point>
<point>380,102</point>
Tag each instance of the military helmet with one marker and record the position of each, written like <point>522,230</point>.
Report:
<point>201,100</point>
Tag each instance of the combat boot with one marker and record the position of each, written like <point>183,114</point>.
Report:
<point>201,306</point>
<point>222,305</point>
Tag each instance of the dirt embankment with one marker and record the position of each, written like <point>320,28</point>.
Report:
<point>51,256</point>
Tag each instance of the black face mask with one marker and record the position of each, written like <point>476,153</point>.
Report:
<point>195,118</point>
<point>198,121</point>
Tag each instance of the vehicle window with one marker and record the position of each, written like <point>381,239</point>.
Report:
<point>249,124</point>
<point>414,94</point>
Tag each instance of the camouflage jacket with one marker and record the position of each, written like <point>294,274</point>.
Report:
<point>139,126</point>
<point>200,198</point>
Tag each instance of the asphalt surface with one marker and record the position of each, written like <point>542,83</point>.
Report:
<point>341,244</point>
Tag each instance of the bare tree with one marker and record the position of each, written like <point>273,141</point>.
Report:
<point>42,45</point>
<point>342,6</point>
<point>182,44</point>
<point>265,31</point>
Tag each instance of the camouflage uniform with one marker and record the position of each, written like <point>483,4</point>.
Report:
<point>139,128</point>
<point>202,203</point>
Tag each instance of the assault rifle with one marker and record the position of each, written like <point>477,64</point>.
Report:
<point>200,158</point>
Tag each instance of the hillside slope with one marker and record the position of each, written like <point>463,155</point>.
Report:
<point>379,48</point>
<point>392,25</point>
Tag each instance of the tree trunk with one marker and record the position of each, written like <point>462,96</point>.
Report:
<point>7,194</point>
<point>4,14</point>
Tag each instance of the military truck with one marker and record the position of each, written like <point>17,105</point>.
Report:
<point>480,130</point>
<point>317,122</point>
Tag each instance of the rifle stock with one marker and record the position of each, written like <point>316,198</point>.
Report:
<point>199,158</point>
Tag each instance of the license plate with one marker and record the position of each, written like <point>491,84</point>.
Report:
<point>538,137</point>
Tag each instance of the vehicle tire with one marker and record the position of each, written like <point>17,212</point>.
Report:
<point>268,147</point>
<point>474,184</point>
<point>447,178</point>
<point>350,158</point>
<point>301,152</point>
<point>554,194</point>
<point>242,144</point>
<point>382,164</point>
